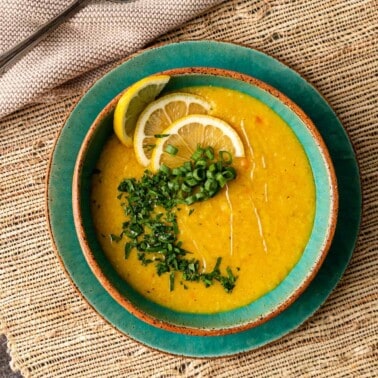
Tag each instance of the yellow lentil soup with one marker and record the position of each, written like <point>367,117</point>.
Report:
<point>258,224</point>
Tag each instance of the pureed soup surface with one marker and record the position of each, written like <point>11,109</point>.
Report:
<point>259,224</point>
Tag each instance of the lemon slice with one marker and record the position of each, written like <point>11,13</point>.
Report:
<point>160,114</point>
<point>131,104</point>
<point>188,132</point>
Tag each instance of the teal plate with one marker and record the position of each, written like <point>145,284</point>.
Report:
<point>225,56</point>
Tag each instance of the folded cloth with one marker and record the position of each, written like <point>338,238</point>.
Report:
<point>101,32</point>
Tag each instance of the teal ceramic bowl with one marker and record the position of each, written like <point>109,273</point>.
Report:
<point>267,306</point>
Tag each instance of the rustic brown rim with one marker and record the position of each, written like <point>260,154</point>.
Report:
<point>185,329</point>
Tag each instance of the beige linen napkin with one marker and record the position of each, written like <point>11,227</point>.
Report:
<point>102,32</point>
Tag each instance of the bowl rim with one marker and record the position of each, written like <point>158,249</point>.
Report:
<point>190,330</point>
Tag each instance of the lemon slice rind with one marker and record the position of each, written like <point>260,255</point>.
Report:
<point>161,104</point>
<point>204,121</point>
<point>132,102</point>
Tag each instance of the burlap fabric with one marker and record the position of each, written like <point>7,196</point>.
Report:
<point>53,332</point>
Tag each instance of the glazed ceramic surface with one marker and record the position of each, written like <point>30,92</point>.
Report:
<point>266,306</point>
<point>226,56</point>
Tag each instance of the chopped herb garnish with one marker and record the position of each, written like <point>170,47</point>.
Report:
<point>116,238</point>
<point>171,150</point>
<point>149,147</point>
<point>171,281</point>
<point>225,157</point>
<point>161,135</point>
<point>128,247</point>
<point>154,234</point>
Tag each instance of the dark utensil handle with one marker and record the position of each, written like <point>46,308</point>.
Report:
<point>11,56</point>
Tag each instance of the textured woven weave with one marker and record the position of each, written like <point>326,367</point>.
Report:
<point>53,332</point>
<point>101,32</point>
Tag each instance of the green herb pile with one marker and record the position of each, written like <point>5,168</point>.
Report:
<point>151,204</point>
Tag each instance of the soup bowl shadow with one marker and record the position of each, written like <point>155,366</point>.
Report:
<point>265,307</point>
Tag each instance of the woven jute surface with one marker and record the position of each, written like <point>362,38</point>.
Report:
<point>53,332</point>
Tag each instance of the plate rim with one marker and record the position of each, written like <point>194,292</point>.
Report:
<point>48,198</point>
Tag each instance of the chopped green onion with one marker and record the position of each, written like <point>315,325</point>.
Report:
<point>171,150</point>
<point>176,172</point>
<point>197,154</point>
<point>185,188</point>
<point>210,185</point>
<point>221,180</point>
<point>154,234</point>
<point>210,174</point>
<point>225,157</point>
<point>187,166</point>
<point>149,147</point>
<point>191,182</point>
<point>128,247</point>
<point>190,200</point>
<point>116,238</point>
<point>209,152</point>
<point>200,196</point>
<point>217,264</point>
<point>213,167</point>
<point>199,174</point>
<point>201,163</point>
<point>229,173</point>
<point>163,168</point>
